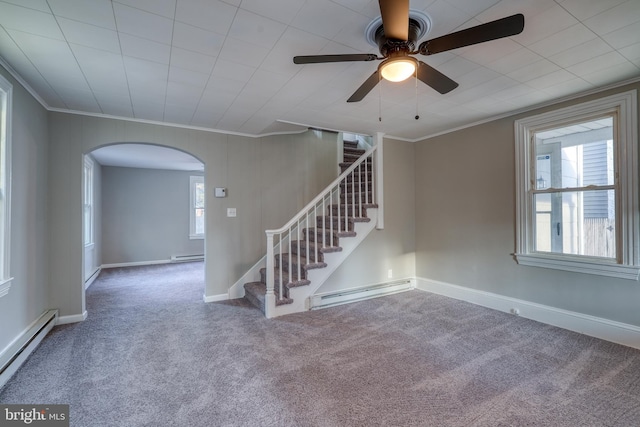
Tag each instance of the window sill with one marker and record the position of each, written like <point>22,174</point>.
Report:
<point>5,285</point>
<point>586,266</point>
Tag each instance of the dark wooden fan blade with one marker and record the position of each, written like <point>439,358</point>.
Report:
<point>395,18</point>
<point>434,78</point>
<point>365,88</point>
<point>505,27</point>
<point>317,59</point>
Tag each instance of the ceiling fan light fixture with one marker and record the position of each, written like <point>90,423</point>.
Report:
<point>398,69</point>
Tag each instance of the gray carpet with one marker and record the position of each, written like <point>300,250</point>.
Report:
<point>152,353</point>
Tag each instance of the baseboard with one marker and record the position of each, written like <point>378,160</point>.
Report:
<point>14,355</point>
<point>74,318</point>
<point>92,278</point>
<point>609,330</point>
<point>215,298</point>
<point>345,296</point>
<point>136,264</point>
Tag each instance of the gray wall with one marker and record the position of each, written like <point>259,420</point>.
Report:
<point>28,297</point>
<point>145,215</point>
<point>465,225</point>
<point>268,179</point>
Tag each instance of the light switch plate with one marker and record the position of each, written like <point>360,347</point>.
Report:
<point>231,212</point>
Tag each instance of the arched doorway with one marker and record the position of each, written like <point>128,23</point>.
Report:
<point>143,204</point>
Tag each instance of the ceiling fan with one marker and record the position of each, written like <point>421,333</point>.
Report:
<point>396,38</point>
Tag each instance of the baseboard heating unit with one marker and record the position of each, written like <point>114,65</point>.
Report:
<point>17,352</point>
<point>345,296</point>
<point>186,258</point>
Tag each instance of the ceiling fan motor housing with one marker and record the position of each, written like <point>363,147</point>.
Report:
<point>392,47</point>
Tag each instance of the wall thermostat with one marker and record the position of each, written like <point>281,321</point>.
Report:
<point>220,192</point>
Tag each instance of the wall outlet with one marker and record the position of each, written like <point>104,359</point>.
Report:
<point>231,212</point>
<point>514,311</point>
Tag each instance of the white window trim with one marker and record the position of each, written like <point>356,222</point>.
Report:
<point>194,179</point>
<point>628,264</point>
<point>5,140</point>
<point>89,164</point>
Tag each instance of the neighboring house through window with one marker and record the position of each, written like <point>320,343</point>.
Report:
<point>196,206</point>
<point>577,176</point>
<point>6,91</point>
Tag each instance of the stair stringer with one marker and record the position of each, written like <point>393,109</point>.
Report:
<point>317,277</point>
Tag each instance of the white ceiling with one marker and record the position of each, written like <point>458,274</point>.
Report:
<point>227,65</point>
<point>146,156</point>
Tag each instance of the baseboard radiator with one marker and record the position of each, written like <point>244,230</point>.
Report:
<point>186,258</point>
<point>17,352</point>
<point>346,296</point>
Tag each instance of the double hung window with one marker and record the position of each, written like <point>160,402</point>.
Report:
<point>577,194</point>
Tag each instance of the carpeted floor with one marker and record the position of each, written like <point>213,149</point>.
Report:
<point>152,353</point>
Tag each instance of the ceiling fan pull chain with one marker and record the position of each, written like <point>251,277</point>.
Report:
<point>379,101</point>
<point>417,115</point>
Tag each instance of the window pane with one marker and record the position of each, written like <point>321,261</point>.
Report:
<point>576,223</point>
<point>199,195</point>
<point>199,222</point>
<point>577,155</point>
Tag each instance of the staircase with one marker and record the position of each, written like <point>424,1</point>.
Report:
<point>303,254</point>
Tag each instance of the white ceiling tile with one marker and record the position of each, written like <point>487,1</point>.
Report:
<point>293,42</point>
<point>148,111</point>
<point>472,7</point>
<point>40,5</point>
<point>516,60</point>
<point>445,18</point>
<point>196,39</point>
<point>597,64</point>
<point>103,70</point>
<point>563,40</point>
<point>241,52</point>
<point>95,12</point>
<point>489,52</point>
<point>145,49</point>
<point>583,52</point>
<point>232,71</point>
<point>623,37</point>
<point>145,73</point>
<point>613,73</point>
<point>553,20</point>
<point>568,87</point>
<point>212,15</point>
<point>31,21</point>
<point>354,36</point>
<point>164,8</point>
<point>256,29</point>
<point>586,9</point>
<point>533,71</point>
<point>118,110</point>
<point>265,84</point>
<point>505,8</point>
<point>143,24</point>
<point>456,67</point>
<point>188,77</point>
<point>192,61</point>
<point>178,113</point>
<point>323,17</point>
<point>90,35</point>
<point>612,19</point>
<point>631,52</point>
<point>552,79</point>
<point>282,11</point>
<point>183,94</point>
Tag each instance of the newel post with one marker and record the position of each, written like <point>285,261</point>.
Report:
<point>270,297</point>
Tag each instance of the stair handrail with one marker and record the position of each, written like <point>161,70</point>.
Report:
<point>270,300</point>
<point>326,190</point>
